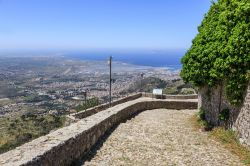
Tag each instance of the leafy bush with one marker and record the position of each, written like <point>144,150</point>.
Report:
<point>202,114</point>
<point>170,90</point>
<point>224,115</point>
<point>220,52</point>
<point>199,121</point>
<point>187,91</point>
<point>179,87</point>
<point>89,103</point>
<point>146,85</point>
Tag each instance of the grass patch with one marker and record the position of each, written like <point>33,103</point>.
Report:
<point>15,131</point>
<point>199,123</point>
<point>170,90</point>
<point>179,88</point>
<point>89,104</point>
<point>227,138</point>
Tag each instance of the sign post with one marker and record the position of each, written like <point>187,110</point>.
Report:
<point>110,80</point>
<point>157,92</point>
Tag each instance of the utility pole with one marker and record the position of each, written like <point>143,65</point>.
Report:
<point>85,98</point>
<point>142,74</point>
<point>110,80</point>
<point>84,93</point>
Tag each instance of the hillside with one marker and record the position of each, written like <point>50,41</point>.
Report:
<point>146,85</point>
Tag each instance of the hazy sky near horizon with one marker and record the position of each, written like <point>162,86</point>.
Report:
<point>92,24</point>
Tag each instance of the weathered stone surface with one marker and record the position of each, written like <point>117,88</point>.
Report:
<point>67,144</point>
<point>83,114</point>
<point>159,137</point>
<point>242,125</point>
<point>212,102</point>
<point>170,96</point>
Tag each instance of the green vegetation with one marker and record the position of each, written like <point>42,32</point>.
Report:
<point>179,87</point>
<point>199,121</point>
<point>201,114</point>
<point>227,138</point>
<point>36,98</point>
<point>171,90</point>
<point>146,85</point>
<point>150,83</point>
<point>19,130</point>
<point>224,115</point>
<point>220,52</point>
<point>187,91</point>
<point>89,103</point>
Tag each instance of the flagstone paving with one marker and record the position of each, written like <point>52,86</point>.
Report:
<point>160,137</point>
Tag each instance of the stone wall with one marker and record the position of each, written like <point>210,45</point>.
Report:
<point>170,96</point>
<point>242,124</point>
<point>94,110</point>
<point>209,101</point>
<point>70,143</point>
<point>213,100</point>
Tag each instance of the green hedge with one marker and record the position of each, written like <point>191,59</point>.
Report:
<point>220,53</point>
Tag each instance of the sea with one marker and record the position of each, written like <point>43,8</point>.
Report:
<point>168,59</point>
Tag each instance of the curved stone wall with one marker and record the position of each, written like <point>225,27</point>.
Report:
<point>94,110</point>
<point>170,96</point>
<point>68,144</point>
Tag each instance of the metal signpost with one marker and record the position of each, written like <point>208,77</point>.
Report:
<point>85,98</point>
<point>110,80</point>
<point>142,74</point>
<point>157,92</point>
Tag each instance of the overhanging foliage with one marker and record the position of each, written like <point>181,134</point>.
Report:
<point>220,53</point>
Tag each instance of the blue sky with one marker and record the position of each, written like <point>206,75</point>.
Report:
<point>99,24</point>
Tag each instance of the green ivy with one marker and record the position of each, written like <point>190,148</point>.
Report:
<point>224,115</point>
<point>220,53</point>
<point>202,114</point>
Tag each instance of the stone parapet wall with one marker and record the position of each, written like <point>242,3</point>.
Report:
<point>70,143</point>
<point>170,96</point>
<point>94,110</point>
<point>213,100</point>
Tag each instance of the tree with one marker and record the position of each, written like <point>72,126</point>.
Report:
<point>220,53</point>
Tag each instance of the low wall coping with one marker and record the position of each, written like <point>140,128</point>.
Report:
<point>61,145</point>
<point>88,112</point>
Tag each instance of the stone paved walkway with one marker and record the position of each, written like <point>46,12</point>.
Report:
<point>160,137</point>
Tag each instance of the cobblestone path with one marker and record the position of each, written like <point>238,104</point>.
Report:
<point>160,137</point>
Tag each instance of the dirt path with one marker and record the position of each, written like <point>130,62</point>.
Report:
<point>160,137</point>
